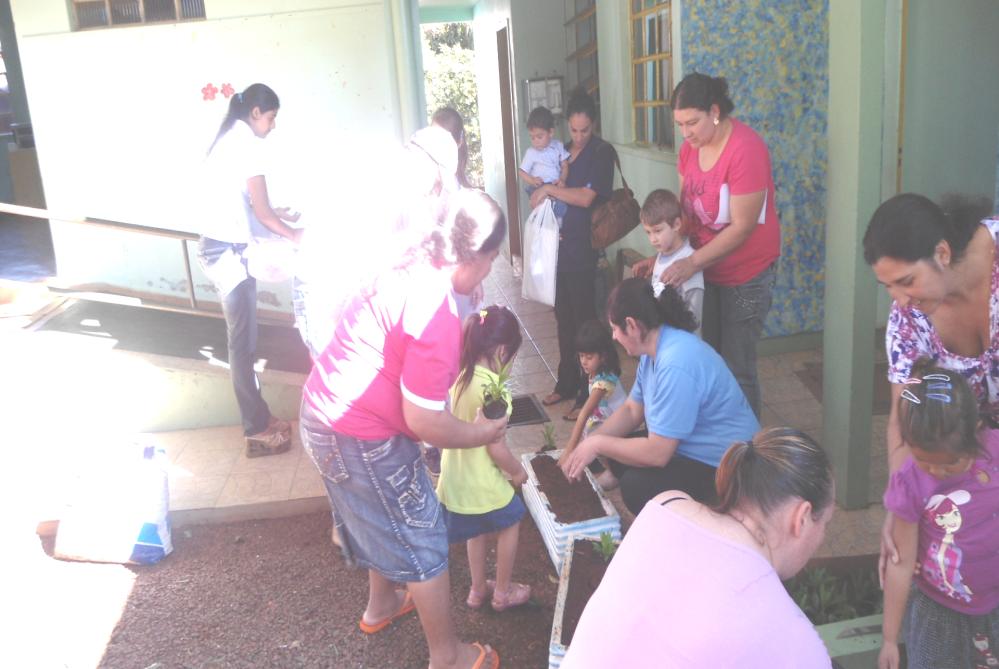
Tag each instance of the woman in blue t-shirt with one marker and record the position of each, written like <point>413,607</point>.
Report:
<point>685,394</point>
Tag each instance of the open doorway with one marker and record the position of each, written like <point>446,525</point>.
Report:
<point>26,250</point>
<point>449,81</point>
<point>509,143</point>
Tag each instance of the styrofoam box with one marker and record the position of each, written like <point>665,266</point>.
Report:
<point>555,534</point>
<point>556,651</point>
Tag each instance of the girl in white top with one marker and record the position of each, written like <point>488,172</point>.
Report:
<point>236,196</point>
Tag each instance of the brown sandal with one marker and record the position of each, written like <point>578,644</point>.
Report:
<point>268,442</point>
<point>279,425</point>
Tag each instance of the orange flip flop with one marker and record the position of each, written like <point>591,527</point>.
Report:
<point>487,659</point>
<point>408,605</point>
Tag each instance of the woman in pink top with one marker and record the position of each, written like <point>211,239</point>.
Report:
<point>727,195</point>
<point>376,390</point>
<point>693,586</point>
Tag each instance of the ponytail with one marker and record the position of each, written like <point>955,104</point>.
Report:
<point>492,330</point>
<point>700,91</point>
<point>777,464</point>
<point>634,298</point>
<point>242,104</point>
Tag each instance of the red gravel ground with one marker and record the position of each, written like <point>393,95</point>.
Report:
<point>275,593</point>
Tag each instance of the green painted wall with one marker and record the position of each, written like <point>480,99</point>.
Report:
<point>856,81</point>
<point>951,110</point>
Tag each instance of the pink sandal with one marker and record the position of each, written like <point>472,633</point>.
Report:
<point>518,595</point>
<point>477,599</point>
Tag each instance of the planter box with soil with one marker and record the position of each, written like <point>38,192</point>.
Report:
<point>583,568</point>
<point>561,509</point>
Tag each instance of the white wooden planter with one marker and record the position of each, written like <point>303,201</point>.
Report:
<point>555,534</point>
<point>556,650</point>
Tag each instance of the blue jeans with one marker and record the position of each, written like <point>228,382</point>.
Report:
<point>733,323</point>
<point>384,505</point>
<point>240,310</point>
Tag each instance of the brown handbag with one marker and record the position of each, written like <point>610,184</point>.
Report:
<point>616,217</point>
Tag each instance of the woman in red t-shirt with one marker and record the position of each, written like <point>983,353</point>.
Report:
<point>727,195</point>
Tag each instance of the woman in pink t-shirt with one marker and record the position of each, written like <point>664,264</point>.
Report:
<point>376,390</point>
<point>727,195</point>
<point>695,586</point>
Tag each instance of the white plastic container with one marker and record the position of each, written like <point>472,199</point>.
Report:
<point>556,650</point>
<point>555,534</point>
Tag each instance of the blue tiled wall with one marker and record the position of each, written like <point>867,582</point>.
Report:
<point>774,54</point>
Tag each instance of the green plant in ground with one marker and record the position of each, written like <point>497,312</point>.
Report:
<point>548,437</point>
<point>827,598</point>
<point>495,393</point>
<point>606,547</point>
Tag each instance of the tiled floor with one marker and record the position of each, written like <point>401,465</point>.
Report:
<point>212,479</point>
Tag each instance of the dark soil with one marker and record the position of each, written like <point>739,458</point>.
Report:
<point>585,573</point>
<point>570,502</point>
<point>276,593</point>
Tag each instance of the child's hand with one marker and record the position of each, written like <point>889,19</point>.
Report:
<point>888,658</point>
<point>562,459</point>
<point>494,430</point>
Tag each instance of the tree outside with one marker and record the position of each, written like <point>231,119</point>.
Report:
<point>448,55</point>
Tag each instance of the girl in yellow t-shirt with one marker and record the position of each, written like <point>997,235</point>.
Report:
<point>477,497</point>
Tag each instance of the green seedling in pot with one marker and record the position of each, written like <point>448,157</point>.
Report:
<point>548,438</point>
<point>494,394</point>
<point>606,547</point>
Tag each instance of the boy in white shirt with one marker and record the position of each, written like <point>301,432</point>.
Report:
<point>546,161</point>
<point>661,218</point>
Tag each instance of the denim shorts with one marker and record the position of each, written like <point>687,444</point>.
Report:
<point>462,526</point>
<point>385,508</point>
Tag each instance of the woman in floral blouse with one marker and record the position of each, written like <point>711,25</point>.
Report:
<point>940,266</point>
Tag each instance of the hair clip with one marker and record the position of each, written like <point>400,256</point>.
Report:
<point>936,377</point>
<point>939,397</point>
<point>482,315</point>
<point>907,395</point>
<point>939,386</point>
<point>911,380</point>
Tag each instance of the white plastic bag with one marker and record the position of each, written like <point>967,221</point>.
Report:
<point>540,254</point>
<point>119,512</point>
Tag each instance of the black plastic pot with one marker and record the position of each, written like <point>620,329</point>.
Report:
<point>494,409</point>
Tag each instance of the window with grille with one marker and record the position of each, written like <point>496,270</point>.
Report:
<point>581,39</point>
<point>109,13</point>
<point>652,72</point>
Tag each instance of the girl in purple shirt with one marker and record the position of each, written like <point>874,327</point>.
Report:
<point>945,499</point>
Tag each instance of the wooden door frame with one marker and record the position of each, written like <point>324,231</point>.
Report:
<point>509,140</point>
